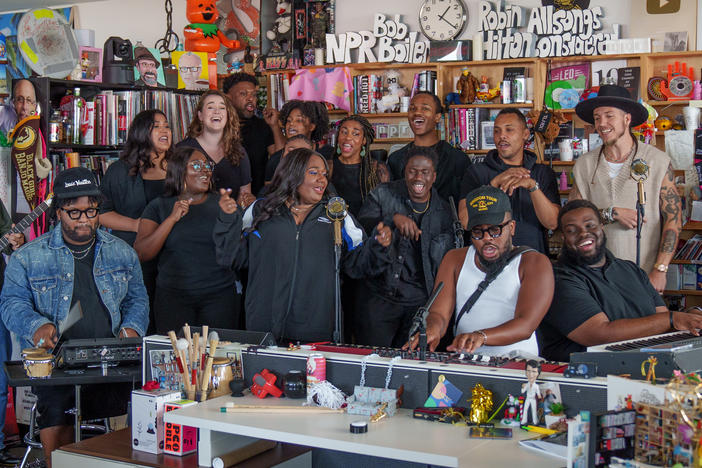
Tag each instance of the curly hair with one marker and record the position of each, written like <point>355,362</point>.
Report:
<point>289,175</point>
<point>369,175</point>
<point>139,147</point>
<point>237,78</point>
<point>231,138</point>
<point>313,110</point>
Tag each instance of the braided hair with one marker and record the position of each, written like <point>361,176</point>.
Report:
<point>369,174</point>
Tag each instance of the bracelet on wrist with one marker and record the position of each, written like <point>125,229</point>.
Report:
<point>672,325</point>
<point>483,334</point>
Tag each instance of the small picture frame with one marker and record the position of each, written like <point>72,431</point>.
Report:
<point>91,64</point>
<point>486,134</point>
<point>300,24</point>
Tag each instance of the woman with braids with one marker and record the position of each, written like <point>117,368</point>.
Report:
<point>131,182</point>
<point>215,132</point>
<point>355,172</point>
<point>287,243</point>
<point>177,228</point>
<point>308,118</point>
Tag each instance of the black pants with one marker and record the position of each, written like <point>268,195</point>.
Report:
<point>174,308</point>
<point>380,322</point>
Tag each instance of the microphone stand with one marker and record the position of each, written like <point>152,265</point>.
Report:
<point>640,202</point>
<point>337,281</point>
<point>419,322</point>
<point>457,226</point>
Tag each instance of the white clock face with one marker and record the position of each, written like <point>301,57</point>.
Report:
<point>442,20</point>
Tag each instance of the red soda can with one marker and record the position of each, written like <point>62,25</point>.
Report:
<point>316,369</point>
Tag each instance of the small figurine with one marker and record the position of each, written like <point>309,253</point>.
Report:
<point>485,93</point>
<point>481,404</point>
<point>531,391</point>
<point>85,65</point>
<point>467,85</point>
<point>279,33</point>
<point>511,411</point>
<point>320,24</point>
<point>202,34</point>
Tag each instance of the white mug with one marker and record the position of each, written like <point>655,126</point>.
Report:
<point>692,117</point>
<point>565,147</point>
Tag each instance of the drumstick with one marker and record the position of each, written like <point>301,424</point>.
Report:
<point>205,336</point>
<point>176,354</point>
<point>182,345</point>
<point>196,361</point>
<point>186,334</point>
<point>279,409</point>
<point>214,341</point>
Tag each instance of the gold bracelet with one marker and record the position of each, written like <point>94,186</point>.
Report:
<point>484,336</point>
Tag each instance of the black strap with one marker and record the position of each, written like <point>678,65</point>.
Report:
<point>489,278</point>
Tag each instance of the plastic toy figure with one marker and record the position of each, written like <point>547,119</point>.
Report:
<point>532,392</point>
<point>279,33</point>
<point>468,86</point>
<point>202,34</point>
<point>511,411</point>
<point>320,20</point>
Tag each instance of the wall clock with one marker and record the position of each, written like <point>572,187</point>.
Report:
<point>442,20</point>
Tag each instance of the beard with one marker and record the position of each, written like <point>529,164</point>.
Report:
<point>573,257</point>
<point>491,266</point>
<point>78,238</point>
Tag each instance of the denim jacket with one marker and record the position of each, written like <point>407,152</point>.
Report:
<point>39,284</point>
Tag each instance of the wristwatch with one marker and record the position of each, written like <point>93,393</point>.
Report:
<point>661,267</point>
<point>535,187</point>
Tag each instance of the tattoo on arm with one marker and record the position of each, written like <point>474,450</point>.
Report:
<point>669,172</point>
<point>668,241</point>
<point>671,213</point>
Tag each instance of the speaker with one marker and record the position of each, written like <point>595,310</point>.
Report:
<point>117,61</point>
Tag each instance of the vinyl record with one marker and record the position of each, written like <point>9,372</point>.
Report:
<point>680,85</point>
<point>654,88</point>
<point>47,43</point>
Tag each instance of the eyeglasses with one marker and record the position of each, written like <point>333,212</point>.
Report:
<point>75,215</point>
<point>22,100</point>
<point>198,166</point>
<point>189,69</point>
<point>494,231</point>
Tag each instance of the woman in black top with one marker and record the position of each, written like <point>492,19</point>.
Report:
<point>131,182</point>
<point>287,242</point>
<point>215,132</point>
<point>177,227</point>
<point>355,172</point>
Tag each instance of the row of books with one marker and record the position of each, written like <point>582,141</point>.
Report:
<point>691,250</point>
<point>684,277</point>
<point>424,81</point>
<point>66,159</point>
<point>106,118</point>
<point>279,85</point>
<point>465,128</point>
<point>367,93</point>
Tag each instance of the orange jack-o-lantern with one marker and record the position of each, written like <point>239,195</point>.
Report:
<point>202,34</point>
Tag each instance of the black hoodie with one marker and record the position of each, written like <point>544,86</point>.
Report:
<point>530,232</point>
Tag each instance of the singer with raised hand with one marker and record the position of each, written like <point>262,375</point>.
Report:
<point>421,224</point>
<point>177,228</point>
<point>608,177</point>
<point>497,292</point>
<point>286,241</point>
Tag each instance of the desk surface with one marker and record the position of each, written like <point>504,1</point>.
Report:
<point>18,378</point>
<point>400,437</point>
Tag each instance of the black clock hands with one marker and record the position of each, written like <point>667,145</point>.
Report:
<point>441,17</point>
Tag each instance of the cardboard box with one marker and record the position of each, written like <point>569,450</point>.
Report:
<point>179,440</point>
<point>147,418</point>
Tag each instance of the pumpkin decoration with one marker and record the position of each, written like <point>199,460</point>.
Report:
<point>202,34</point>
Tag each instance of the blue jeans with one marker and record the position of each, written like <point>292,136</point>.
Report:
<point>5,354</point>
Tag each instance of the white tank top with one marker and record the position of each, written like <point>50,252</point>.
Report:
<point>494,307</point>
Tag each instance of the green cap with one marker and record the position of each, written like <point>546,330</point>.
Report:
<point>487,205</point>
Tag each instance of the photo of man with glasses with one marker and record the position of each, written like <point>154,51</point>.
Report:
<point>22,105</point>
<point>147,65</point>
<point>189,70</point>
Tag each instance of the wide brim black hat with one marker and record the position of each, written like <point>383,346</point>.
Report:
<point>612,96</point>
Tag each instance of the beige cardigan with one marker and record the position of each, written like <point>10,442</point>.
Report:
<point>622,192</point>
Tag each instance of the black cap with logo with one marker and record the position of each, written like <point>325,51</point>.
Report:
<point>74,183</point>
<point>487,205</point>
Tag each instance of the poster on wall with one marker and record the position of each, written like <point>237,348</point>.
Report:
<point>16,66</point>
<point>193,73</point>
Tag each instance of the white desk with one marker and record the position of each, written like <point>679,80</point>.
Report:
<point>400,437</point>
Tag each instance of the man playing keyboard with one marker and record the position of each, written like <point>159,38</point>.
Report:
<point>599,298</point>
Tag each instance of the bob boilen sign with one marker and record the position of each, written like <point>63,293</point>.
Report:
<point>394,44</point>
<point>550,32</point>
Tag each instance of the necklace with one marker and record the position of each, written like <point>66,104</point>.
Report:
<point>425,208</point>
<point>81,254</point>
<point>633,148</point>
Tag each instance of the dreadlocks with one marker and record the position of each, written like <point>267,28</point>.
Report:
<point>369,174</point>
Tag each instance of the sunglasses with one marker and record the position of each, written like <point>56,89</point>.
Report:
<point>198,166</point>
<point>494,231</point>
<point>75,215</point>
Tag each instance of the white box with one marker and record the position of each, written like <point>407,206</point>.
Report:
<point>147,418</point>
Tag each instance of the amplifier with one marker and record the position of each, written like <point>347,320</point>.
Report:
<point>93,352</point>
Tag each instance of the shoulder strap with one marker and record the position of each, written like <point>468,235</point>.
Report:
<point>489,278</point>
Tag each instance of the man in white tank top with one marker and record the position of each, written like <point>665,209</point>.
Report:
<point>506,314</point>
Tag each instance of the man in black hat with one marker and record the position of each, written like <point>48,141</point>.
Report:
<point>608,177</point>
<point>148,66</point>
<point>518,291</point>
<point>46,278</point>
<point>600,298</point>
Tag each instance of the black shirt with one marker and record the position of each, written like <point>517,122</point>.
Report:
<point>96,321</point>
<point>449,170</point>
<point>126,195</point>
<point>530,231</point>
<point>187,260</point>
<point>620,289</point>
<point>347,183</point>
<point>256,136</point>
<point>226,175</point>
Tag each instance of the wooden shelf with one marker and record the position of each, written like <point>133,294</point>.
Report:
<point>337,112</point>
<point>667,103</point>
<point>385,114</point>
<point>683,292</point>
<point>564,192</point>
<point>476,151</point>
<point>557,162</point>
<point>692,226</point>
<point>392,140</point>
<point>517,105</point>
<point>686,262</point>
<point>51,146</point>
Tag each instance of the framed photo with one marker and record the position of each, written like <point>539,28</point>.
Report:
<point>300,24</point>
<point>486,136</point>
<point>91,64</point>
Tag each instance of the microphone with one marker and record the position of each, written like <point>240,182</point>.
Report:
<point>336,211</point>
<point>639,172</point>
